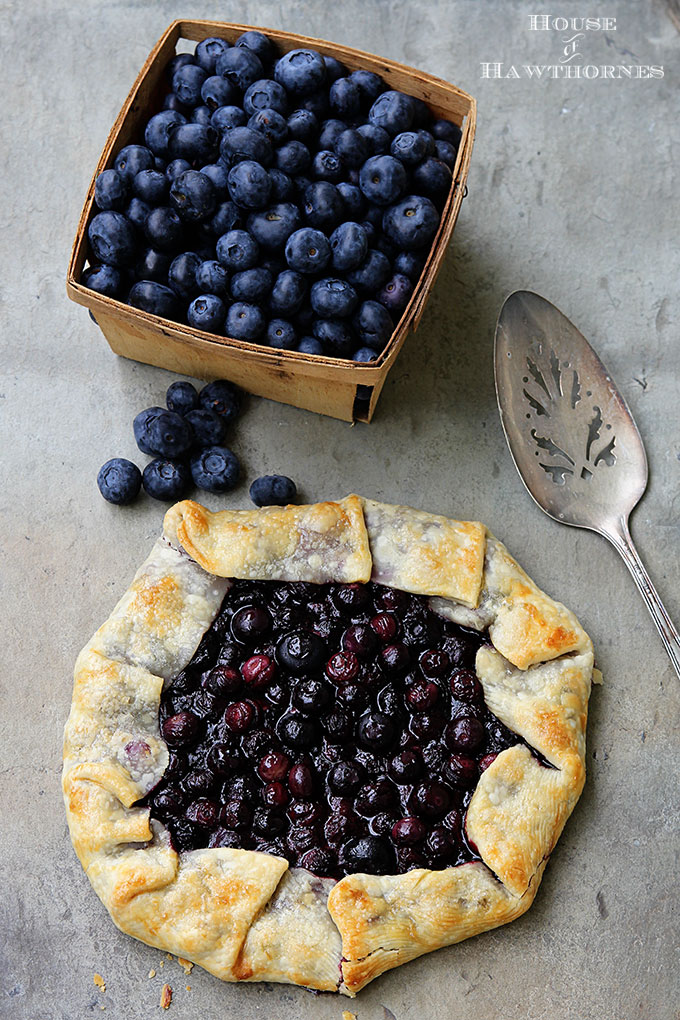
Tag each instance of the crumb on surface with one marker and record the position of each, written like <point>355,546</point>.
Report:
<point>169,956</point>
<point>100,982</point>
<point>346,1015</point>
<point>187,965</point>
<point>152,973</point>
<point>166,997</point>
<point>188,987</point>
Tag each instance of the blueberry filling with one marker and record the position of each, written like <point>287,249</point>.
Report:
<point>339,726</point>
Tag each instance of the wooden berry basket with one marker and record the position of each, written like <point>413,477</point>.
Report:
<point>331,386</point>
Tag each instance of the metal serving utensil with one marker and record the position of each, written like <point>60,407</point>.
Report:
<point>571,435</point>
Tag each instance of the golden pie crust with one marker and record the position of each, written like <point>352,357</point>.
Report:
<point>248,916</point>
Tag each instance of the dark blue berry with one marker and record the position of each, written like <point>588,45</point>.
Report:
<point>446,152</point>
<point>208,428</point>
<point>215,469</point>
<point>249,185</point>
<point>273,226</point>
<point>292,157</point>
<point>336,336</point>
<point>303,126</point>
<point>119,481</point>
<point>111,191</point>
<point>349,246</point>
<point>283,189</point>
<point>353,200</point>
<point>333,297</point>
<point>175,168</point>
<point>409,147</point>
<point>159,130</point>
<point>433,178</point>
<point>105,280</point>
<point>373,324</point>
<point>372,273</point>
<point>207,311</point>
<point>352,148</point>
<point>392,111</point>
<point>226,117</point>
<point>240,143</point>
<point>222,397</point>
<point>258,43</point>
<point>334,69</point>
<point>281,335</point>
<point>376,137</point>
<point>151,186</point>
<point>112,239</point>
<point>244,321</point>
<point>301,72</point>
<point>370,85</point>
<point>412,223</point>
<point>181,397</point>
<point>310,345</point>
<point>382,179</point>
<point>265,95</point>
<point>179,60</point>
<point>168,435</point>
<point>156,298</point>
<point>140,427</point>
<point>331,130</point>
<point>345,98</point>
<point>193,195</point>
<point>239,65</point>
<point>271,124</point>
<point>323,206</point>
<point>208,50</point>
<point>445,131</point>
<point>273,490</point>
<point>165,479</point>
<point>182,274</point>
<point>370,854</point>
<point>308,251</point>
<point>410,264</point>
<point>163,228</point>
<point>187,82</point>
<point>252,285</point>
<point>227,217</point>
<point>137,213</point>
<point>217,174</point>
<point>212,278</point>
<point>364,354</point>
<point>131,160</point>
<point>326,166</point>
<point>194,142</point>
<point>396,293</point>
<point>237,250</point>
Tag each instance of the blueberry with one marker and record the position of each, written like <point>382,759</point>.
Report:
<point>237,250</point>
<point>412,223</point>
<point>410,264</point>
<point>330,132</point>
<point>396,293</point>
<point>303,126</point>
<point>131,159</point>
<point>369,854</point>
<point>373,324</point>
<point>181,397</point>
<point>292,157</point>
<point>112,239</point>
<point>282,186</point>
<point>334,69</point>
<point>179,60</point>
<point>169,435</point>
<point>352,148</point>
<point>105,280</point>
<point>140,427</point>
<point>392,111</point>
<point>111,191</point>
<point>187,82</point>
<point>244,321</point>
<point>222,397</point>
<point>301,72</point>
<point>370,85</point>
<point>193,195</point>
<point>249,185</point>
<point>336,337</point>
<point>252,285</point>
<point>349,245</point>
<point>382,179</point>
<point>227,217</point>
<point>308,251</point>
<point>175,168</point>
<point>215,469</point>
<point>281,335</point>
<point>272,227</point>
<point>265,95</point>
<point>333,297</point>
<point>323,206</point>
<point>208,428</point>
<point>239,65</point>
<point>376,137</point>
<point>226,117</point>
<point>207,312</point>
<point>165,479</point>
<point>288,293</point>
<point>119,481</point>
<point>352,199</point>
<point>137,213</point>
<point>270,124</point>
<point>376,731</point>
<point>208,50</point>
<point>171,102</point>
<point>163,228</point>
<point>310,345</point>
<point>433,178</point>
<point>159,129</point>
<point>345,98</point>
<point>151,186</point>
<point>446,152</point>
<point>182,274</point>
<point>296,731</point>
<point>326,166</point>
<point>194,142</point>
<point>410,147</point>
<point>180,729</point>
<point>212,278</point>
<point>216,92</point>
<point>316,103</point>
<point>445,131</point>
<point>301,652</point>
<point>364,354</point>
<point>201,115</point>
<point>258,43</point>
<point>273,490</point>
<point>155,298</point>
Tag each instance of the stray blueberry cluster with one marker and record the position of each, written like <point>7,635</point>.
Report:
<point>280,200</point>
<point>340,726</point>
<point>186,440</point>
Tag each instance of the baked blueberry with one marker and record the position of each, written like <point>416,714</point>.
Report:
<point>182,274</point>
<point>333,297</point>
<point>323,206</point>
<point>166,479</point>
<point>156,298</point>
<point>281,335</point>
<point>207,312</point>
<point>119,481</point>
<point>163,228</point>
<point>271,124</point>
<point>181,397</point>
<point>237,250</point>
<point>239,65</point>
<point>301,652</point>
<point>240,143</point>
<point>194,142</point>
<point>396,293</point>
<point>112,239</point>
<point>376,731</point>
<point>252,285</point>
<point>301,71</point>
<point>272,227</point>
<point>245,321</point>
<point>217,91</point>
<point>212,278</point>
<point>393,111</point>
<point>104,280</point>
<point>249,185</point>
<point>158,132</point>
<point>111,191</point>
<point>382,179</point>
<point>308,251</point>
<point>215,469</point>
<point>371,854</point>
<point>412,222</point>
<point>273,490</point>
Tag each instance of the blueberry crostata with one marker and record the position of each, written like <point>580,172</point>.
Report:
<point>314,742</point>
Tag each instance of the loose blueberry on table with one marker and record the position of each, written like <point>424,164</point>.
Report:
<point>340,726</point>
<point>271,187</point>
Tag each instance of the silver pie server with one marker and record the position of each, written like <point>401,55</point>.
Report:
<point>571,435</point>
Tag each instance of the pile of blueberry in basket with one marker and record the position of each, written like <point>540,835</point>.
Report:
<point>280,200</point>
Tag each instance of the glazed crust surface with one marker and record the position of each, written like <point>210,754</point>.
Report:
<point>248,916</point>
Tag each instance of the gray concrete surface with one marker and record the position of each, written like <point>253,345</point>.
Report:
<point>573,193</point>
